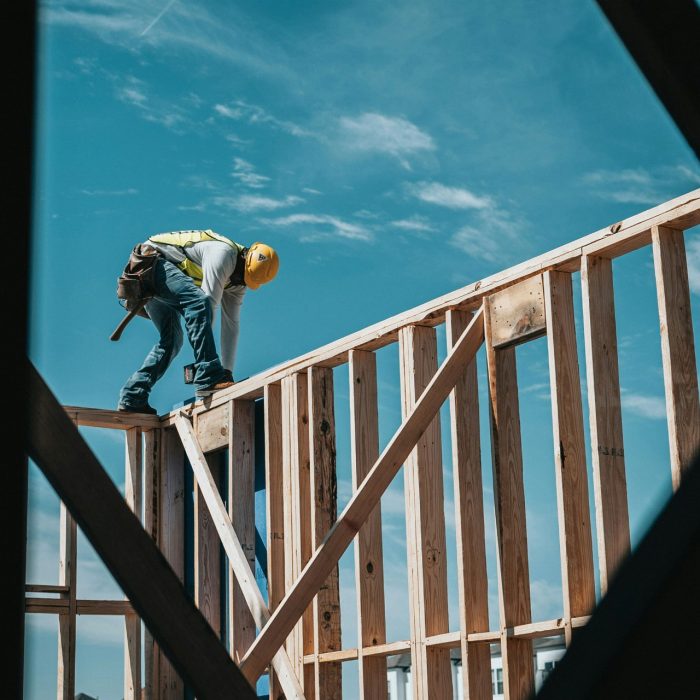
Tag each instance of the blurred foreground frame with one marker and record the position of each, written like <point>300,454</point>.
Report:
<point>642,639</point>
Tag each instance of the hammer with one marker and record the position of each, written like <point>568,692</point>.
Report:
<point>126,320</point>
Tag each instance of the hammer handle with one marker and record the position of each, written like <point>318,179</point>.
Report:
<point>126,320</point>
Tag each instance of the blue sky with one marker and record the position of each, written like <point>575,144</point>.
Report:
<point>391,152</point>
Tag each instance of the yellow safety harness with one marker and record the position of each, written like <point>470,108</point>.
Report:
<point>186,239</point>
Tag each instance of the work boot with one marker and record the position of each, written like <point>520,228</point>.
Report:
<point>142,408</point>
<point>224,383</point>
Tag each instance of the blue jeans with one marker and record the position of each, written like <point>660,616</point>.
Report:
<point>176,295</point>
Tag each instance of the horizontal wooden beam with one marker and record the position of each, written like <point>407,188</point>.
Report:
<point>136,563</point>
<point>83,607</point>
<point>45,588</point>
<point>621,237</point>
<point>103,418</point>
<point>364,500</point>
<point>451,640</point>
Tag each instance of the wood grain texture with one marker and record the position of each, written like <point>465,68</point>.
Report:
<point>324,512</point>
<point>369,557</point>
<point>213,428</point>
<point>677,348</point>
<point>241,499</point>
<point>605,414</point>
<point>472,581</point>
<point>238,557</point>
<point>274,501</point>
<point>67,576</point>
<point>575,540</point>
<point>151,485</point>
<point>363,501</point>
<point>511,532</point>
<point>295,432</point>
<point>116,420</point>
<point>207,553</point>
<point>172,539</point>
<point>155,592</point>
<point>133,494</point>
<point>425,522</point>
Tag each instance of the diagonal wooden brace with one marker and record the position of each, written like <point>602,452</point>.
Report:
<point>232,546</point>
<point>363,502</point>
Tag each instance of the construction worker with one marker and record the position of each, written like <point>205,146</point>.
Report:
<point>195,273</point>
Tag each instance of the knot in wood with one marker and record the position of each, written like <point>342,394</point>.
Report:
<point>370,567</point>
<point>325,426</point>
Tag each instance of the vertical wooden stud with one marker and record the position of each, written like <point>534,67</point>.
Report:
<point>425,523</point>
<point>369,558</point>
<point>133,494</point>
<point>509,498</point>
<point>207,553</point>
<point>324,512</point>
<point>297,542</point>
<point>472,581</point>
<point>241,499</point>
<point>67,576</point>
<point>172,538</point>
<point>677,348</point>
<point>605,413</point>
<point>576,547</point>
<point>274,494</point>
<point>151,480</point>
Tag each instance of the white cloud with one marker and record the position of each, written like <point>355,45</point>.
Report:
<point>692,249</point>
<point>450,197</point>
<point>225,34</point>
<point>254,114</point>
<point>249,202</point>
<point>245,173</point>
<point>110,193</point>
<point>134,92</point>
<point>414,223</point>
<point>332,226</point>
<point>228,112</point>
<point>311,190</point>
<point>547,600</point>
<point>652,407</point>
<point>379,133</point>
<point>494,236</point>
<point>132,95</point>
<point>641,186</point>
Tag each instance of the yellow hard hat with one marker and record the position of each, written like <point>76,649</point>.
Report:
<point>261,265</point>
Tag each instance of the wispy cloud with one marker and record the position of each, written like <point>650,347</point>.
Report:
<point>223,33</point>
<point>320,226</point>
<point>379,133</point>
<point>247,203</point>
<point>446,196</point>
<point>652,407</point>
<point>641,186</point>
<point>244,172</point>
<point>240,110</point>
<point>110,193</point>
<point>494,235</point>
<point>157,18</point>
<point>135,92</point>
<point>418,224</point>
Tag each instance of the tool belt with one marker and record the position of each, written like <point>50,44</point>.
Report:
<point>137,282</point>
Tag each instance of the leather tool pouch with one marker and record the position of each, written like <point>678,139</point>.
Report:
<point>137,283</point>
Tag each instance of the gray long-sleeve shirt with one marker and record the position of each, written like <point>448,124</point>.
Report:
<point>218,261</point>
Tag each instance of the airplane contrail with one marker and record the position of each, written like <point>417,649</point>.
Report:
<point>157,19</point>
